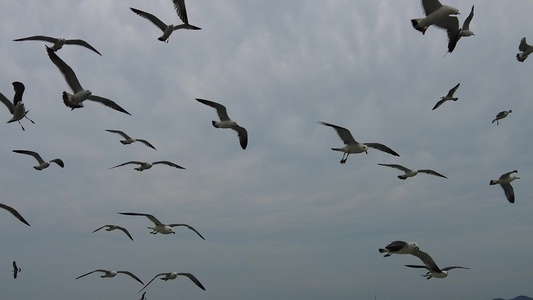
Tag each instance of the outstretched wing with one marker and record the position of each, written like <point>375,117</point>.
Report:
<point>193,279</point>
<point>438,104</point>
<point>126,232</point>
<point>131,275</point>
<point>150,18</point>
<point>7,103</point>
<point>508,190</point>
<point>431,172</point>
<point>122,133</point>
<point>454,267</point>
<point>108,103</point>
<point>188,226</point>
<point>523,45</point>
<point>152,218</point>
<point>146,143</point>
<point>399,167</point>
<point>15,213</point>
<point>65,70</point>
<point>168,163</point>
<point>427,260</point>
<point>127,163</point>
<point>452,90</point>
<point>466,23</point>
<point>243,135</point>
<point>221,109</point>
<point>34,154</point>
<point>98,270</point>
<point>382,147</point>
<point>81,43</point>
<point>179,5</point>
<point>38,38</point>
<point>343,133</point>
<point>151,281</point>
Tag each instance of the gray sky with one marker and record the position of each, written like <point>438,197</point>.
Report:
<point>282,219</point>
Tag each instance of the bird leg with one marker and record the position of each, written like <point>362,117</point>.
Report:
<point>388,254</point>
<point>25,116</point>
<point>21,126</point>
<point>344,158</point>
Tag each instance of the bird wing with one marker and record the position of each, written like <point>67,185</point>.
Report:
<point>150,18</point>
<point>81,43</point>
<point>466,23</point>
<point>168,163</point>
<point>15,213</point>
<point>59,162</point>
<point>395,245</point>
<point>382,147</point>
<point>145,142</point>
<point>19,91</point>
<point>452,91</point>
<point>438,104</point>
<point>451,25</point>
<point>508,174</point>
<point>124,135</point>
<point>152,218</point>
<point>193,279</point>
<point>98,270</point>
<point>7,103</point>
<point>243,135</point>
<point>38,38</point>
<point>186,26</point>
<point>67,71</point>
<point>151,281</point>
<point>221,109</point>
<point>108,103</point>
<point>131,275</point>
<point>431,172</point>
<point>427,260</point>
<point>501,115</point>
<point>179,5</point>
<point>99,228</point>
<point>430,6</point>
<point>127,163</point>
<point>399,167</point>
<point>343,133</point>
<point>188,226</point>
<point>34,154</point>
<point>126,232</point>
<point>454,267</point>
<point>508,190</point>
<point>523,45</point>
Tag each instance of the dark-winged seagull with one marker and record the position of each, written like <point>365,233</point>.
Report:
<point>16,108</point>
<point>167,29</point>
<point>226,122</point>
<point>505,182</point>
<point>399,247</point>
<point>352,146</point>
<point>160,227</point>
<point>411,173</point>
<point>16,270</point>
<point>129,140</point>
<point>80,95</point>
<point>501,115</point>
<point>147,165</point>
<point>59,42</point>
<point>454,34</point>
<point>431,266</point>
<point>111,274</point>
<point>173,275</point>
<point>42,164</point>
<point>14,213</point>
<point>114,227</point>
<point>436,14</point>
<point>525,49</point>
<point>449,96</point>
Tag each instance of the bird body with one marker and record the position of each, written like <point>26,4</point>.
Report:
<point>399,247</point>
<point>501,115</point>
<point>16,270</point>
<point>505,182</point>
<point>525,49</point>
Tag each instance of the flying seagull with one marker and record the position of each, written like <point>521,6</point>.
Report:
<point>399,247</point>
<point>505,181</point>
<point>501,115</point>
<point>431,266</point>
<point>128,140</point>
<point>173,275</point>
<point>525,48</point>
<point>58,43</point>
<point>449,96</point>
<point>454,34</point>
<point>15,213</point>
<point>16,270</point>
<point>16,108</point>
<point>411,173</point>
<point>76,100</point>
<point>113,227</point>
<point>167,29</point>
<point>436,14</point>
<point>352,146</point>
<point>42,164</point>
<point>110,274</point>
<point>147,165</point>
<point>226,122</point>
<point>160,227</point>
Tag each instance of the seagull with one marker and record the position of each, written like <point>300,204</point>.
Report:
<point>411,173</point>
<point>146,165</point>
<point>465,31</point>
<point>76,100</point>
<point>525,48</point>
<point>42,164</point>
<point>501,115</point>
<point>431,266</point>
<point>399,247</point>
<point>449,96</point>
<point>167,29</point>
<point>16,270</point>
<point>15,213</point>
<point>436,14</point>
<point>505,181</point>
<point>113,227</point>
<point>226,122</point>
<point>352,146</point>
<point>110,274</point>
<point>160,227</point>
<point>173,275</point>
<point>16,108</point>
<point>58,43</point>
<point>128,140</point>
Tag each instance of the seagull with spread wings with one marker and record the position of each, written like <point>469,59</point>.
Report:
<point>114,227</point>
<point>42,164</point>
<point>173,275</point>
<point>111,274</point>
<point>16,270</point>
<point>160,227</point>
<point>501,115</point>
<point>129,140</point>
<point>15,213</point>
<point>431,266</point>
<point>505,182</point>
<point>59,42</point>
<point>167,29</point>
<point>16,108</point>
<point>411,173</point>
<point>143,165</point>
<point>449,96</point>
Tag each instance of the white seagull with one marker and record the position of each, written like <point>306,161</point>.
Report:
<point>111,274</point>
<point>399,247</point>
<point>352,146</point>
<point>501,115</point>
<point>42,164</point>
<point>226,122</point>
<point>526,50</point>
<point>160,227</point>
<point>173,275</point>
<point>436,14</point>
<point>167,29</point>
<point>431,266</point>
<point>449,96</point>
<point>411,173</point>
<point>59,42</point>
<point>505,182</point>
<point>16,108</point>
<point>128,140</point>
<point>113,227</point>
<point>76,100</point>
<point>147,165</point>
<point>14,212</point>
<point>454,34</point>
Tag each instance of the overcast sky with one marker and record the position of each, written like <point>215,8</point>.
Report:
<point>282,219</point>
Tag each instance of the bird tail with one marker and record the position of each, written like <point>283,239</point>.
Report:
<point>381,250</point>
<point>336,149</point>
<point>123,142</point>
<point>214,124</point>
<point>520,57</point>
<point>493,182</point>
<point>402,177</point>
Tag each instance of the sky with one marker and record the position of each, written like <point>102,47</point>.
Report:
<point>282,219</point>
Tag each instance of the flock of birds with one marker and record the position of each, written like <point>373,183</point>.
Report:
<point>439,15</point>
